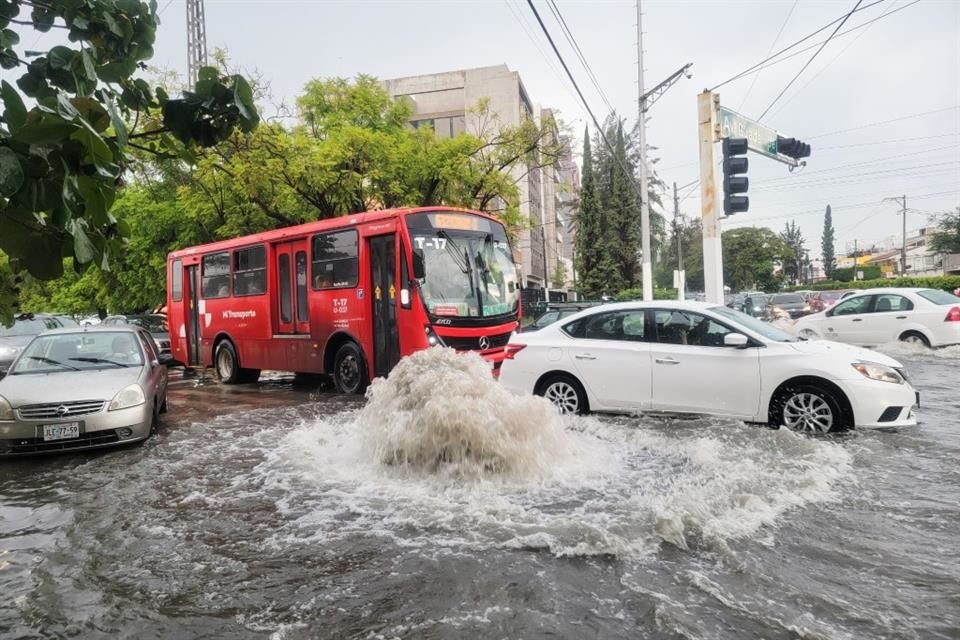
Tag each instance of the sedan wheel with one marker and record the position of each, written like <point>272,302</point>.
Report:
<point>565,394</point>
<point>805,411</point>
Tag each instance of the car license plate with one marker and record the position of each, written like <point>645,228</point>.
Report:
<point>63,431</point>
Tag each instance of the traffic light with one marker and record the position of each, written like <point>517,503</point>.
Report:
<point>735,164</point>
<point>792,148</point>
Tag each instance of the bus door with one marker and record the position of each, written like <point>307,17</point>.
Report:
<point>193,316</point>
<point>292,310</point>
<point>385,291</point>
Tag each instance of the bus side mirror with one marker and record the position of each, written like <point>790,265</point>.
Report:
<point>419,273</point>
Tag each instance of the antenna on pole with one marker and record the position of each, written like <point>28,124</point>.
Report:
<point>196,40</point>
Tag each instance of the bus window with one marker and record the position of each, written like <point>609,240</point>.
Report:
<point>302,311</point>
<point>250,271</point>
<point>286,314</point>
<point>335,263</point>
<point>176,280</point>
<point>216,275</point>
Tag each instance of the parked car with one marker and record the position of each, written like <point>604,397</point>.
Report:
<point>67,322</point>
<point>557,311</point>
<point>155,323</point>
<point>757,303</point>
<point>699,358</point>
<point>823,300</point>
<point>792,305</point>
<point>930,317</point>
<point>13,339</point>
<point>73,389</point>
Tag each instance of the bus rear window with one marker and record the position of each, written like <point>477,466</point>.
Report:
<point>216,275</point>
<point>335,260</point>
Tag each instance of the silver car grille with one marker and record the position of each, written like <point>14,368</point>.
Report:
<point>60,409</point>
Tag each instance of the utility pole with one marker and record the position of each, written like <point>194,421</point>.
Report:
<point>546,272</point>
<point>856,262</point>
<point>902,201</point>
<point>647,273</point>
<point>681,281</point>
<point>196,40</point>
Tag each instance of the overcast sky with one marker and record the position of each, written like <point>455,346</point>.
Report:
<point>905,64</point>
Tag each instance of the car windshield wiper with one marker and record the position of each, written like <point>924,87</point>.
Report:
<point>104,361</point>
<point>51,361</point>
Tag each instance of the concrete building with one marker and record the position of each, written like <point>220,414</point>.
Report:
<point>445,103</point>
<point>568,196</point>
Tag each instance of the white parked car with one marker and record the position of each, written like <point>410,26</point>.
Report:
<point>700,358</point>
<point>930,317</point>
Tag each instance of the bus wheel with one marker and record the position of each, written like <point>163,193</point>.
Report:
<point>349,370</point>
<point>226,363</point>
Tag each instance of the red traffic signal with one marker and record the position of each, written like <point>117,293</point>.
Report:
<point>735,163</point>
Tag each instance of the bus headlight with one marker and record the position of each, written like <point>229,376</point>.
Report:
<point>432,338</point>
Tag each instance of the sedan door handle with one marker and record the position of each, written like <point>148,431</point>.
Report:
<point>585,356</point>
<point>667,361</point>
<point>901,317</point>
<point>857,320</point>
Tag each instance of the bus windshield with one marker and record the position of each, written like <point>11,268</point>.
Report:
<point>464,265</point>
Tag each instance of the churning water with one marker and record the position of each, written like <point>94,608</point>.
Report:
<point>446,507</point>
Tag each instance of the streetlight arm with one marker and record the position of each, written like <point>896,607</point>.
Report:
<point>650,97</point>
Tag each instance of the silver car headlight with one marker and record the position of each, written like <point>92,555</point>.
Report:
<point>129,397</point>
<point>6,411</point>
<point>879,372</point>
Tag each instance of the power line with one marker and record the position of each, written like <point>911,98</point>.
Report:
<point>865,163</point>
<point>772,45</point>
<point>603,135</point>
<point>876,175</point>
<point>760,64</point>
<point>568,34</point>
<point>812,58</point>
<point>876,124</point>
<point>870,144</point>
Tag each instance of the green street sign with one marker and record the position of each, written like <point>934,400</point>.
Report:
<point>760,138</point>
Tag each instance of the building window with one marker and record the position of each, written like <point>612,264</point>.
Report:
<point>423,124</point>
<point>250,271</point>
<point>216,275</point>
<point>335,260</point>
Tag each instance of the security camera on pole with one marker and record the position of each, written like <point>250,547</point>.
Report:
<point>739,135</point>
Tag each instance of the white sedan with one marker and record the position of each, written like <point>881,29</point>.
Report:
<point>929,317</point>
<point>700,358</point>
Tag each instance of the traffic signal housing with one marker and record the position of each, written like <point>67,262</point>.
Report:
<point>735,181</point>
<point>792,148</point>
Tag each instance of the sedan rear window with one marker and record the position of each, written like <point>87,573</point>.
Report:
<point>936,296</point>
<point>789,298</point>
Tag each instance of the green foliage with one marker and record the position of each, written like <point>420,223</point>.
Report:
<point>64,155</point>
<point>946,239</point>
<point>558,279</point>
<point>827,242</point>
<point>846,274</point>
<point>595,264</point>
<point>659,293</point>
<point>749,257</point>
<point>946,283</point>
<point>691,238</point>
<point>793,260</point>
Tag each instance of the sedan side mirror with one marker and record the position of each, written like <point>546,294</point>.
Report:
<point>737,340</point>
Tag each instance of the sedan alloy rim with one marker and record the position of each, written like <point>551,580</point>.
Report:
<point>808,412</point>
<point>563,396</point>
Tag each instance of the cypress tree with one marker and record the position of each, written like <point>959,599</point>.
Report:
<point>827,243</point>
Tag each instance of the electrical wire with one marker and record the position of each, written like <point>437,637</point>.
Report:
<point>812,58</point>
<point>865,163</point>
<point>760,65</point>
<point>877,124</point>
<point>870,144</point>
<point>772,45</point>
<point>568,34</point>
<point>870,176</point>
<point>586,105</point>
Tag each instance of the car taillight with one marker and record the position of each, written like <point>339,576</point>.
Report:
<point>953,315</point>
<point>513,349</point>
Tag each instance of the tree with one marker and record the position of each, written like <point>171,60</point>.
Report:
<point>558,279</point>
<point>946,239</point>
<point>793,260</point>
<point>750,255</point>
<point>598,272</point>
<point>63,158</point>
<point>826,244</point>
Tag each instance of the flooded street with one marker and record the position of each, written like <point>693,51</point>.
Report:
<point>445,508</point>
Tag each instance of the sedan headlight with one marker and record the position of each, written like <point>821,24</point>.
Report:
<point>128,397</point>
<point>879,372</point>
<point>6,411</point>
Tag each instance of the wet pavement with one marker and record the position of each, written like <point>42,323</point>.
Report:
<point>442,508</point>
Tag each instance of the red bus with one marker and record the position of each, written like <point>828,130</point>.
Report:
<point>347,296</point>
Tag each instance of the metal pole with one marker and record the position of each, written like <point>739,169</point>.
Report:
<point>903,246</point>
<point>681,293</point>
<point>546,272</point>
<point>856,263</point>
<point>647,273</point>
<point>707,105</point>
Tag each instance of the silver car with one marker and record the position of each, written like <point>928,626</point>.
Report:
<point>74,389</point>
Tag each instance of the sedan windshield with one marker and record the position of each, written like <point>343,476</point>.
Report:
<point>23,328</point>
<point>768,331</point>
<point>464,264</point>
<point>153,324</point>
<point>79,352</point>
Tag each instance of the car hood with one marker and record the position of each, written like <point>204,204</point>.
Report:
<point>828,347</point>
<point>66,386</point>
<point>15,341</point>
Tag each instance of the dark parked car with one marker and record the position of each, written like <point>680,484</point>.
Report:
<point>755,304</point>
<point>793,305</point>
<point>14,339</point>
<point>154,323</point>
<point>557,311</point>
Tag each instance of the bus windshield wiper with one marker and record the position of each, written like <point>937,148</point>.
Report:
<point>51,361</point>
<point>103,361</point>
<point>453,248</point>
